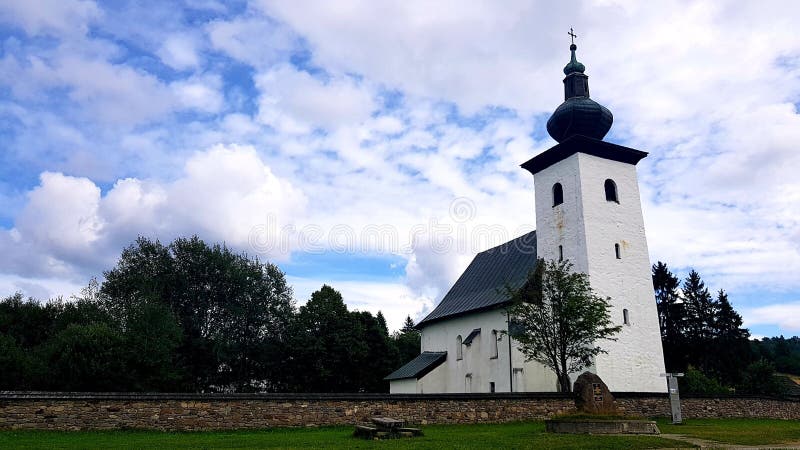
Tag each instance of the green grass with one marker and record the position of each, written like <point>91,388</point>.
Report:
<point>737,431</point>
<point>508,436</point>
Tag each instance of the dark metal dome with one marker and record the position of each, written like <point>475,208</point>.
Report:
<point>579,114</point>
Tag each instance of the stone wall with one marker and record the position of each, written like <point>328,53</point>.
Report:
<point>76,411</point>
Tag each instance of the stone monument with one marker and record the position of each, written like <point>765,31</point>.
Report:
<point>592,395</point>
<point>597,413</point>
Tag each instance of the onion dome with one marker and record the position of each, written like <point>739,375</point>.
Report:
<point>578,114</point>
<point>574,65</point>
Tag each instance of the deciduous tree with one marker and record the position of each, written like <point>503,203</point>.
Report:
<point>559,320</point>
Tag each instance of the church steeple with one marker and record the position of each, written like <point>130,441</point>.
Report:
<point>578,114</point>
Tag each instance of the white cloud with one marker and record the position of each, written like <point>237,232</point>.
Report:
<point>62,213</point>
<point>786,316</point>
<point>200,93</point>
<point>257,41</point>
<point>295,101</point>
<point>180,51</point>
<point>68,227</point>
<point>64,17</point>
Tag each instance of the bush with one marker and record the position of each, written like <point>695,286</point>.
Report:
<point>759,378</point>
<point>696,382</point>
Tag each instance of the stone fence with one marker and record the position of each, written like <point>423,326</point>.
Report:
<point>77,411</point>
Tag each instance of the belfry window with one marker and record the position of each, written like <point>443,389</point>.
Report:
<point>617,252</point>
<point>560,252</point>
<point>558,194</point>
<point>611,191</point>
<point>459,348</point>
<point>625,318</point>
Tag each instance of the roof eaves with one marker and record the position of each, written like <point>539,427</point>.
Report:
<point>427,361</point>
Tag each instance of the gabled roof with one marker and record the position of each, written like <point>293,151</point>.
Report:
<point>483,285</point>
<point>471,336</point>
<point>419,366</point>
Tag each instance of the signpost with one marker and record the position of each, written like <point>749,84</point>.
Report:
<point>674,397</point>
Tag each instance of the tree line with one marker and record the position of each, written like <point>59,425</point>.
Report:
<point>703,336</point>
<point>193,317</point>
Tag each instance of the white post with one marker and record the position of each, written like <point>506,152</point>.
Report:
<point>674,397</point>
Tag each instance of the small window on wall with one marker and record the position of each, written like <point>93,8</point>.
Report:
<point>558,194</point>
<point>491,386</point>
<point>611,191</point>
<point>617,251</point>
<point>494,344</point>
<point>560,252</point>
<point>459,348</point>
<point>625,318</point>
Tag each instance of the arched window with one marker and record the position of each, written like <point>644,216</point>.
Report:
<point>560,252</point>
<point>494,344</point>
<point>558,194</point>
<point>611,191</point>
<point>459,348</point>
<point>617,252</point>
<point>625,319</point>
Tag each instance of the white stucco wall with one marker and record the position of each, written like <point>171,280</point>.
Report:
<point>477,359</point>
<point>405,386</point>
<point>588,226</point>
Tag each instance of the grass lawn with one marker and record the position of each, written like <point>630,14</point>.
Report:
<point>512,435</point>
<point>737,431</point>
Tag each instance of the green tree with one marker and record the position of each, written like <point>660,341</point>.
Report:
<point>700,311</point>
<point>28,322</point>
<point>696,382</point>
<point>16,373</point>
<point>671,317</point>
<point>407,340</point>
<point>759,378</point>
<point>232,311</point>
<point>325,345</point>
<point>730,349</point>
<point>558,319</point>
<point>85,358</point>
<point>381,356</point>
<point>151,338</point>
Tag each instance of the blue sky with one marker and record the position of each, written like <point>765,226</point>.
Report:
<point>342,140</point>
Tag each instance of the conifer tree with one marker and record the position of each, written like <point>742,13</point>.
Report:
<point>671,317</point>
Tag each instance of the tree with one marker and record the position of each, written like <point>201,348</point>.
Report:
<point>325,345</point>
<point>558,319</point>
<point>232,311</point>
<point>759,378</point>
<point>86,358</point>
<point>407,340</point>
<point>671,317</point>
<point>701,311</point>
<point>730,349</point>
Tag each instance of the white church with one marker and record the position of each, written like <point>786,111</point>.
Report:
<point>588,211</point>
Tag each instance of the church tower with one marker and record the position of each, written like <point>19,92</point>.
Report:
<point>588,211</point>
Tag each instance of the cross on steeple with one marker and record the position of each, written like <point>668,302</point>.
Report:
<point>572,35</point>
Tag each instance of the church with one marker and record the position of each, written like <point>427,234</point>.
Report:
<point>588,211</point>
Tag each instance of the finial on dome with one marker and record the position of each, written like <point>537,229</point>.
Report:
<point>573,65</point>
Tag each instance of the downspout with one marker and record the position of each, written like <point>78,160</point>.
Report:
<point>510,365</point>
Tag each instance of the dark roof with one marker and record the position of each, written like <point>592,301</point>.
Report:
<point>482,285</point>
<point>578,143</point>
<point>471,336</point>
<point>419,366</point>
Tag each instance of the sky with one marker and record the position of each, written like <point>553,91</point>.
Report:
<point>375,146</point>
